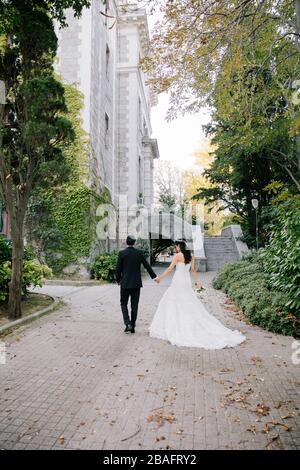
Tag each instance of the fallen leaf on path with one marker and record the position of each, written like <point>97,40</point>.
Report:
<point>256,360</point>
<point>284,426</point>
<point>160,418</point>
<point>262,409</point>
<point>252,429</point>
<point>279,405</point>
<point>266,429</point>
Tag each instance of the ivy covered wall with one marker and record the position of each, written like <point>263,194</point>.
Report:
<point>61,222</point>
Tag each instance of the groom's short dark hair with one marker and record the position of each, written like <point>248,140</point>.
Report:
<point>130,240</point>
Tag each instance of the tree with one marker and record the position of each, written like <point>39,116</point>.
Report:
<point>241,58</point>
<point>169,186</point>
<point>204,154</point>
<point>55,8</point>
<point>194,179</point>
<point>192,41</point>
<point>212,217</point>
<point>251,127</point>
<point>32,127</point>
<point>239,173</point>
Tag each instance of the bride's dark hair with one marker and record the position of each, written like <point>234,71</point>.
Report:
<point>184,250</point>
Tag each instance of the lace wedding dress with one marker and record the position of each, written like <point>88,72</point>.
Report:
<point>182,319</point>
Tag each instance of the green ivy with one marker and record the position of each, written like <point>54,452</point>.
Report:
<point>104,267</point>
<point>59,222</point>
<point>66,230</point>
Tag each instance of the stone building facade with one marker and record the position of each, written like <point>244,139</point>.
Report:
<point>100,54</point>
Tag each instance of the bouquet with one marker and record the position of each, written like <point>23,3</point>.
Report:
<point>200,292</point>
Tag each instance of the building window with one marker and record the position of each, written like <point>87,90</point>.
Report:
<point>145,129</point>
<point>106,11</point>
<point>107,63</point>
<point>140,115</point>
<point>107,131</point>
<point>140,181</point>
<point>140,111</point>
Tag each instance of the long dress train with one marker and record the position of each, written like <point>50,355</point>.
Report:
<point>182,319</point>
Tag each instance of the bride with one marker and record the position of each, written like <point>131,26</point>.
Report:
<point>181,318</point>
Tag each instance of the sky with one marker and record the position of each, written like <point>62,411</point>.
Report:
<point>180,138</point>
<point>177,139</point>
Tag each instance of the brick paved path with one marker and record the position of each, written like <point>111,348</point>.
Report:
<point>74,380</point>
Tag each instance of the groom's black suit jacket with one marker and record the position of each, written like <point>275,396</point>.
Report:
<point>128,272</point>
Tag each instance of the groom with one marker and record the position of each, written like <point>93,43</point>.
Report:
<point>128,274</point>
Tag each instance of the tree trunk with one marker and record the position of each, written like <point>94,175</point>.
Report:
<point>16,206</point>
<point>15,285</point>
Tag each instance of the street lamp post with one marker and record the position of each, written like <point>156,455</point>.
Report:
<point>255,206</point>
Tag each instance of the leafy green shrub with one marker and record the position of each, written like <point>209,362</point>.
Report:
<point>281,258</point>
<point>33,274</point>
<point>104,267</point>
<point>5,249</point>
<point>4,279</point>
<point>33,271</point>
<point>248,286</point>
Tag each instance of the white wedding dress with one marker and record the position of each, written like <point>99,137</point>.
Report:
<point>183,320</point>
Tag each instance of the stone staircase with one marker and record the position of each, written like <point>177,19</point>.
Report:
<point>219,251</point>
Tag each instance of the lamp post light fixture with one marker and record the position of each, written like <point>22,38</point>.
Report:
<point>255,207</point>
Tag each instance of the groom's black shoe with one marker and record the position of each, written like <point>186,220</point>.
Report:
<point>128,329</point>
<point>132,329</point>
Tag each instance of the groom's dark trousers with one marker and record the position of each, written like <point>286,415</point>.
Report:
<point>134,295</point>
<point>128,275</point>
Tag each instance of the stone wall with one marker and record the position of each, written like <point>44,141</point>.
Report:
<point>100,56</point>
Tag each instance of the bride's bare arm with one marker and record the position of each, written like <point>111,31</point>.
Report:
<point>169,268</point>
<point>194,274</point>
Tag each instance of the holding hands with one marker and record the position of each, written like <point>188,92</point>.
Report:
<point>157,280</point>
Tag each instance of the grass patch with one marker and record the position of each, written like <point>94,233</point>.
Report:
<point>31,304</point>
